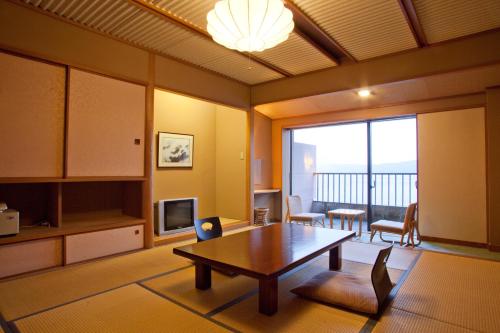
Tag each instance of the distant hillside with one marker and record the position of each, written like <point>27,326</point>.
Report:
<point>406,166</point>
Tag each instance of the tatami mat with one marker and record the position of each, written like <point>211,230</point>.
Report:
<point>180,287</point>
<point>397,321</point>
<point>367,253</point>
<point>461,291</point>
<point>127,309</point>
<point>296,314</point>
<point>27,295</point>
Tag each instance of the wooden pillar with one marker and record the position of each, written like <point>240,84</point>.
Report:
<point>250,164</point>
<point>493,166</point>
<point>147,188</point>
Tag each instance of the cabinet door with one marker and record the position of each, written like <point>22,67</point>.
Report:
<point>31,117</point>
<point>106,125</point>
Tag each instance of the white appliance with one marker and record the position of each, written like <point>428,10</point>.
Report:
<point>9,220</point>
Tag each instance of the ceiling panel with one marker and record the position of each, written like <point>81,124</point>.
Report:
<point>296,56</point>
<point>123,20</point>
<point>364,28</point>
<point>446,19</point>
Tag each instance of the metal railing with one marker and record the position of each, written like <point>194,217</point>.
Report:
<point>388,189</point>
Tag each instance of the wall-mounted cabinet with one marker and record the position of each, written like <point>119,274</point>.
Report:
<point>32,102</point>
<point>106,122</point>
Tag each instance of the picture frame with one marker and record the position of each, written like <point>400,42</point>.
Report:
<point>175,150</point>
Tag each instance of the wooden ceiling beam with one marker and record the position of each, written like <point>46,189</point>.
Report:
<point>168,16</point>
<point>317,37</point>
<point>411,17</point>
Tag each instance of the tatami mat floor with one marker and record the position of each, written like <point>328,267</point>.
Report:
<point>153,291</point>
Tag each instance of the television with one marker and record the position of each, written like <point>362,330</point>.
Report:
<point>175,215</point>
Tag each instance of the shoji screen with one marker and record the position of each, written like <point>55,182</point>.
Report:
<point>452,175</point>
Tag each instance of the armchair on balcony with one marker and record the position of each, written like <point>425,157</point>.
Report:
<point>409,226</point>
<point>294,212</point>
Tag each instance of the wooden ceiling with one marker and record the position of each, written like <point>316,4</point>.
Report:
<point>459,83</point>
<point>327,33</point>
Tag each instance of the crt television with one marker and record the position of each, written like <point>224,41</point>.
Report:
<point>175,215</point>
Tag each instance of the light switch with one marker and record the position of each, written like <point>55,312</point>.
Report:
<point>242,156</point>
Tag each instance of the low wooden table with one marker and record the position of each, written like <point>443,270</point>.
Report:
<point>264,253</point>
<point>350,214</point>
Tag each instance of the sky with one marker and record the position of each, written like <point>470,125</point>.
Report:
<point>393,141</point>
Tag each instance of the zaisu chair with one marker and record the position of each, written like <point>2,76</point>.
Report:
<point>210,228</point>
<point>409,226</point>
<point>294,212</point>
<point>356,292</point>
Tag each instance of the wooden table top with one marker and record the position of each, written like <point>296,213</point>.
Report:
<point>343,211</point>
<point>267,251</point>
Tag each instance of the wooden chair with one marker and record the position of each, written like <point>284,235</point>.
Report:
<point>210,228</point>
<point>356,292</point>
<point>294,212</point>
<point>409,226</point>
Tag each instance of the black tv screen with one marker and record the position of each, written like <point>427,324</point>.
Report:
<point>178,214</point>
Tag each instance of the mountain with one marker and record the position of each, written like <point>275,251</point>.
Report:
<point>405,166</point>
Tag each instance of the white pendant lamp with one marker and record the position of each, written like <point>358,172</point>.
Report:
<point>250,25</point>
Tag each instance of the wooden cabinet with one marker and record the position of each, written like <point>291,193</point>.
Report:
<point>106,123</point>
<point>93,245</point>
<point>30,256</point>
<point>32,95</point>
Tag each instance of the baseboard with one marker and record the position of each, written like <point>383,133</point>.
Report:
<point>454,242</point>
<point>494,248</point>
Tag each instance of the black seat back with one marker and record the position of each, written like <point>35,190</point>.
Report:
<point>380,277</point>
<point>208,228</point>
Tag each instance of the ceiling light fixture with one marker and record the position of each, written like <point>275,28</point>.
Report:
<point>250,25</point>
<point>364,92</point>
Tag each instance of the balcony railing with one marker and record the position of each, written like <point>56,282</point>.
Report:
<point>388,189</point>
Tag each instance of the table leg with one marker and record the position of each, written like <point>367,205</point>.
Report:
<point>350,221</point>
<point>360,219</point>
<point>342,222</point>
<point>203,276</point>
<point>331,220</point>
<point>336,258</point>
<point>268,296</point>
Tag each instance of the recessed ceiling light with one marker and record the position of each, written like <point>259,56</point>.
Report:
<point>364,92</point>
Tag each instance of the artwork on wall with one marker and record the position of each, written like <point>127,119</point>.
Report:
<point>175,150</point>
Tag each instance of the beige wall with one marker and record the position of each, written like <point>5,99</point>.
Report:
<point>493,152</point>
<point>179,114</point>
<point>230,163</point>
<point>218,176</point>
<point>452,175</point>
<point>263,151</point>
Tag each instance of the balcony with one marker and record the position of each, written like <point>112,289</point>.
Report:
<point>391,193</point>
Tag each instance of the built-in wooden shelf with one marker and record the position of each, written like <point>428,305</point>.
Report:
<point>28,180</point>
<point>75,224</point>
<point>270,190</point>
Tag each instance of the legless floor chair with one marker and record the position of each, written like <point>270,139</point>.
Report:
<point>210,228</point>
<point>294,212</point>
<point>359,293</point>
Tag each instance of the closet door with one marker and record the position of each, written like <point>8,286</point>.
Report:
<point>31,117</point>
<point>106,124</point>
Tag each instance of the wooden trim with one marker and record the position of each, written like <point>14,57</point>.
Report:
<point>494,248</point>
<point>382,106</point>
<point>147,189</point>
<point>160,12</point>
<point>411,18</point>
<point>316,36</point>
<point>453,241</point>
<point>250,164</point>
<point>33,180</point>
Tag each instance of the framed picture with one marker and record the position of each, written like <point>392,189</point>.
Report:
<point>175,150</point>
